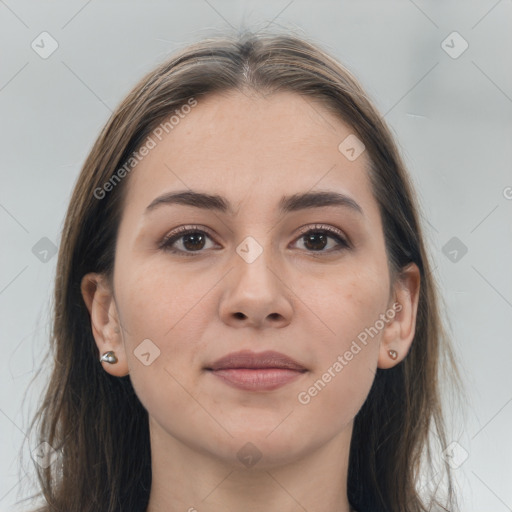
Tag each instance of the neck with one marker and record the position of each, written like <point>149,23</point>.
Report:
<point>189,478</point>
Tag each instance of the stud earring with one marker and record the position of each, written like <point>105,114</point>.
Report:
<point>393,354</point>
<point>109,357</point>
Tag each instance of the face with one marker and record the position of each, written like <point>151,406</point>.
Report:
<point>250,278</point>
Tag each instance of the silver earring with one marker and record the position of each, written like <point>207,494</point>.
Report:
<point>393,354</point>
<point>109,357</point>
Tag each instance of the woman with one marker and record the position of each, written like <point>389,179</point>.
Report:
<point>245,316</point>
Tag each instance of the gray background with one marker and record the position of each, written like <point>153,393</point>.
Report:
<point>451,116</point>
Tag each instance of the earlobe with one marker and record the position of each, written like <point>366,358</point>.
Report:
<point>399,333</point>
<point>106,329</point>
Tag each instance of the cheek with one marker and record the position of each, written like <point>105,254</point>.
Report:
<point>351,307</point>
<point>164,314</point>
<point>155,298</point>
<point>348,301</point>
<point>347,357</point>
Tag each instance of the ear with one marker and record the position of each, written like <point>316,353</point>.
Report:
<point>399,332</point>
<point>106,328</point>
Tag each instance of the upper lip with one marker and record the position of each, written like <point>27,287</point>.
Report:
<point>249,359</point>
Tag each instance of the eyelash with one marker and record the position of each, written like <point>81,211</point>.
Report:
<point>170,239</point>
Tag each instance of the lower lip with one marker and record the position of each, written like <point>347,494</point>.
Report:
<point>261,379</point>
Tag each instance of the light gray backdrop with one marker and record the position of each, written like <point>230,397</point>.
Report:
<point>441,74</point>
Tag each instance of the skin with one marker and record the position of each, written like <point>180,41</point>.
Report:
<point>310,305</point>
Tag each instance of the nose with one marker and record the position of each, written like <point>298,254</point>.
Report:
<point>256,293</point>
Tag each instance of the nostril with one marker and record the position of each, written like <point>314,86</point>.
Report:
<point>240,315</point>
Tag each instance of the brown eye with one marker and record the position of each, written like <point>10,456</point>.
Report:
<point>191,240</point>
<point>316,239</point>
<point>188,240</point>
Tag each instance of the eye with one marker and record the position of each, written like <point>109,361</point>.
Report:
<point>192,238</point>
<point>315,238</point>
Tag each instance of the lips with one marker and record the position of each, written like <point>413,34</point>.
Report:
<point>257,372</point>
<point>246,359</point>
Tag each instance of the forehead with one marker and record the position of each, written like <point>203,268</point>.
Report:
<point>247,146</point>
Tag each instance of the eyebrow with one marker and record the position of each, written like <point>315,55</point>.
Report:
<point>287,204</point>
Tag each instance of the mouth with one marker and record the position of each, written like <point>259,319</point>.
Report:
<point>251,371</point>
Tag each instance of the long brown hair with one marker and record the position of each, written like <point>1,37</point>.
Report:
<point>95,422</point>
